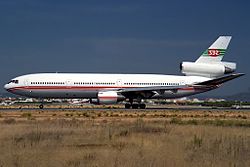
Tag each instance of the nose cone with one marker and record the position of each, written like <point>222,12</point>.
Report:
<point>6,86</point>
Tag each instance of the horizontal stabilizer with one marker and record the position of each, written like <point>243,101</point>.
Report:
<point>221,80</point>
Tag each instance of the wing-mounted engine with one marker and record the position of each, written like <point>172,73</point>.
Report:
<point>109,97</point>
<point>207,69</point>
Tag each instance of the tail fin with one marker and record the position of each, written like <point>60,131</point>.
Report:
<point>209,64</point>
<point>216,51</point>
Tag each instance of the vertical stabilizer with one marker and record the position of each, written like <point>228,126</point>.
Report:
<point>216,51</point>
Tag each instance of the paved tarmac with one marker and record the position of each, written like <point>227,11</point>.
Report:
<point>149,108</point>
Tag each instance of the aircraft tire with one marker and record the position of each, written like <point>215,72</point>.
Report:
<point>41,106</point>
<point>142,106</point>
<point>135,106</point>
<point>127,106</point>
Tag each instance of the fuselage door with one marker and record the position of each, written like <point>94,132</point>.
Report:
<point>119,83</point>
<point>68,83</point>
<point>26,83</point>
<point>182,82</point>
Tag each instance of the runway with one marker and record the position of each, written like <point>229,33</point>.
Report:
<point>119,108</point>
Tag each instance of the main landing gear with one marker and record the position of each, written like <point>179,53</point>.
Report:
<point>135,105</point>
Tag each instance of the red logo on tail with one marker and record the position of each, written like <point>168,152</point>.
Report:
<point>213,52</point>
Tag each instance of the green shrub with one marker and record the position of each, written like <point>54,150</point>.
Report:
<point>197,141</point>
<point>85,114</point>
<point>26,114</point>
<point>9,121</point>
<point>192,122</point>
<point>176,121</point>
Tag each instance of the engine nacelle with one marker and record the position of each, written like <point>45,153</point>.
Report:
<point>207,70</point>
<point>109,97</point>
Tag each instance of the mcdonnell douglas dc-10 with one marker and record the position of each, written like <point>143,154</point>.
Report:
<point>208,72</point>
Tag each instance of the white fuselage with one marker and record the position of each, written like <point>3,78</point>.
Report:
<point>74,85</point>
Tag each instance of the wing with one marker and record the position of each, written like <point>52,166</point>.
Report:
<point>155,88</point>
<point>147,92</point>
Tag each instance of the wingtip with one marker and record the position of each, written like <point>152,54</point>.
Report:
<point>239,74</point>
<point>236,75</point>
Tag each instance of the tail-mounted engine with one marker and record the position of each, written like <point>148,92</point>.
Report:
<point>207,69</point>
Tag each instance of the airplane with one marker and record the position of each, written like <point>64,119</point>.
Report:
<point>208,72</point>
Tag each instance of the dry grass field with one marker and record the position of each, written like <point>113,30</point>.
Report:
<point>124,138</point>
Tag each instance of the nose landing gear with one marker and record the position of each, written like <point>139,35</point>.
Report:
<point>41,106</point>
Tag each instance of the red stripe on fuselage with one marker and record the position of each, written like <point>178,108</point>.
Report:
<point>80,88</point>
<point>65,87</point>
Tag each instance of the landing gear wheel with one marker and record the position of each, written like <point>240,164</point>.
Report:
<point>142,106</point>
<point>135,106</point>
<point>41,106</point>
<point>127,106</point>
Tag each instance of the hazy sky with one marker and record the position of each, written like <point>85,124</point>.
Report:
<point>118,36</point>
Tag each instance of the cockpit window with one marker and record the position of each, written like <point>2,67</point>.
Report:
<point>14,81</point>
